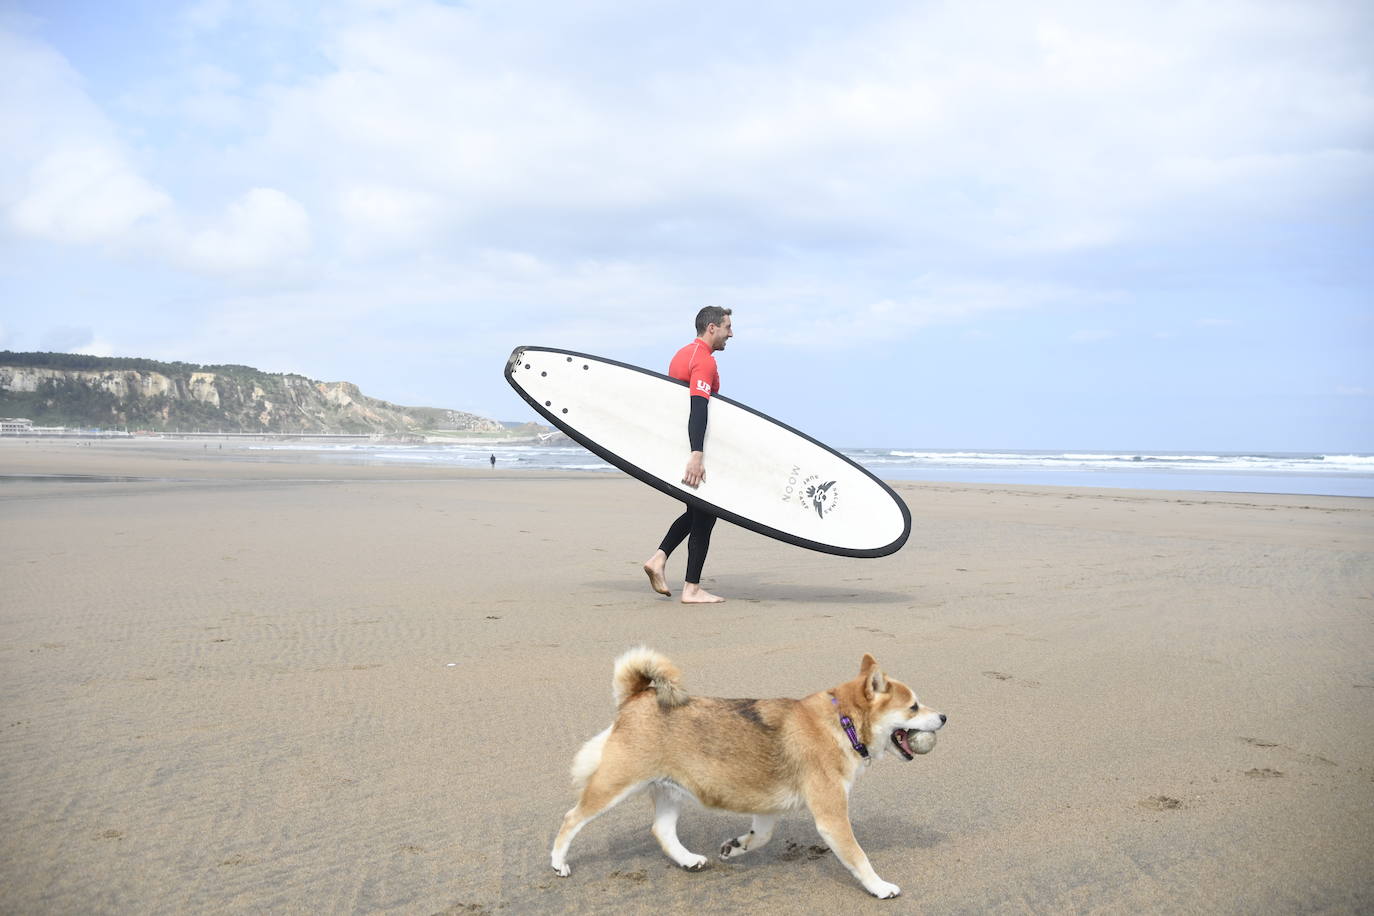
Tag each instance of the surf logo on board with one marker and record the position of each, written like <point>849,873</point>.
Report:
<point>809,492</point>
<point>820,496</point>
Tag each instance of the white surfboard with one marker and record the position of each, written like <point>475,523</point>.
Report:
<point>760,474</point>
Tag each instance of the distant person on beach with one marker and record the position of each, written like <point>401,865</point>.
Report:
<point>493,461</point>
<point>694,364</point>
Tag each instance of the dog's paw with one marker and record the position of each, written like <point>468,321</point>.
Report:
<point>884,891</point>
<point>730,848</point>
<point>693,863</point>
<point>562,871</point>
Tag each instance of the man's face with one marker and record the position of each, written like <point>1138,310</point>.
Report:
<point>718,334</point>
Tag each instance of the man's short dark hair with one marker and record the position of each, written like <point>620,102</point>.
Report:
<point>712,314</point>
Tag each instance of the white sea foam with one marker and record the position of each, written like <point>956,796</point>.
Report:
<point>1258,463</point>
<point>1359,461</point>
<point>1278,472</point>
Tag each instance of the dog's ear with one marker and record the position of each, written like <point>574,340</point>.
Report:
<point>874,680</point>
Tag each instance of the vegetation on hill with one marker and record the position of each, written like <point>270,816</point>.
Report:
<point>68,389</point>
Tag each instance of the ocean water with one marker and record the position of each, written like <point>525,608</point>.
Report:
<point>1223,472</point>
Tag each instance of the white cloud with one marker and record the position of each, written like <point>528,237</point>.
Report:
<point>81,195</point>
<point>97,347</point>
<point>264,228</point>
<point>64,174</point>
<point>378,216</point>
<point>1015,131</point>
<point>793,164</point>
<point>1063,127</point>
<point>206,15</point>
<point>72,339</point>
<point>806,320</point>
<point>212,97</point>
<point>519,264</point>
<point>70,178</point>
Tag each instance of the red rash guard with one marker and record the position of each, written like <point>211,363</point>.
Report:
<point>695,364</point>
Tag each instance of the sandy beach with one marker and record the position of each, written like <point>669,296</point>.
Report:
<point>237,684</point>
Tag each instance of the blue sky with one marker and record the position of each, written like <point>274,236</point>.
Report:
<point>1134,225</point>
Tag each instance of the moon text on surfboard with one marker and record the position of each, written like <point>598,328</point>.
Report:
<point>810,493</point>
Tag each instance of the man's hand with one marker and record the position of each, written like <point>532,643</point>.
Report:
<point>696,470</point>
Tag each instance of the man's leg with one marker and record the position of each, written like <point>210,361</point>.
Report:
<point>698,545</point>
<point>655,565</point>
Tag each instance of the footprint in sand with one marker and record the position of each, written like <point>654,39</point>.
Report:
<point>1263,773</point>
<point>239,858</point>
<point>1161,803</point>
<point>1306,758</point>
<point>1003,676</point>
<point>796,851</point>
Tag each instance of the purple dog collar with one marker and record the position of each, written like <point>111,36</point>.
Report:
<point>848,725</point>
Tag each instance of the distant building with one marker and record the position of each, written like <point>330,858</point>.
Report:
<point>19,426</point>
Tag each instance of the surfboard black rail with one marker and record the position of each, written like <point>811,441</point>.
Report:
<point>689,498</point>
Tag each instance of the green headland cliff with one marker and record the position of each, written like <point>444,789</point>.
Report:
<point>65,389</point>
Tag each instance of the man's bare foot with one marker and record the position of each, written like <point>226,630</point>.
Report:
<point>653,568</point>
<point>695,594</point>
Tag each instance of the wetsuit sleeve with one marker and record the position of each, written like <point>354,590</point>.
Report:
<point>696,424</point>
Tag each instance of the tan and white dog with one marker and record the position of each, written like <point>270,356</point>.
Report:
<point>759,757</point>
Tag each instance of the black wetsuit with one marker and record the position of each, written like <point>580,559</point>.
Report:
<point>694,524</point>
<point>694,364</point>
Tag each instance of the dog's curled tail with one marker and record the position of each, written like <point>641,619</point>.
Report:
<point>643,669</point>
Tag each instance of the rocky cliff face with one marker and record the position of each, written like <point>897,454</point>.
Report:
<point>176,396</point>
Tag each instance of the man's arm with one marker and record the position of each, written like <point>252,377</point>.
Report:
<point>696,437</point>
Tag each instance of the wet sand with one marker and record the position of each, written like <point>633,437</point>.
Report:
<point>243,685</point>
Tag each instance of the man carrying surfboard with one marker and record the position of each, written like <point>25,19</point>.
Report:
<point>694,364</point>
